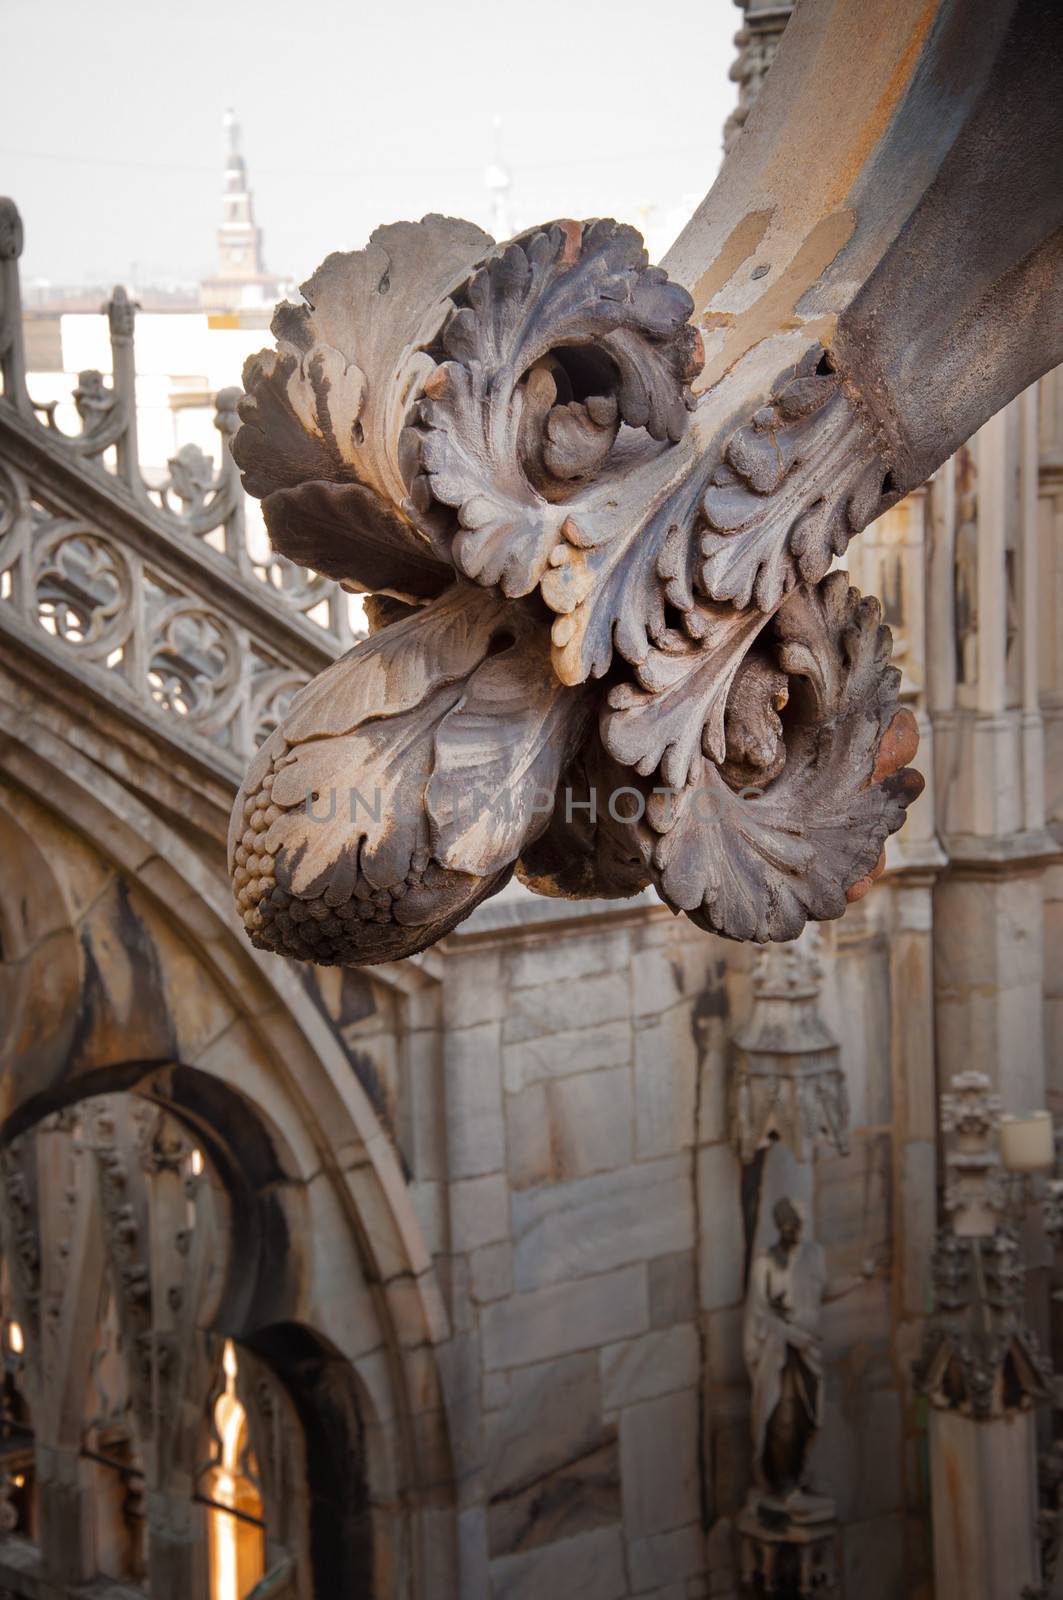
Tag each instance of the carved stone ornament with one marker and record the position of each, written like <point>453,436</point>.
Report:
<point>975,1190</point>
<point>1052,1211</point>
<point>979,1356</point>
<point>597,506</point>
<point>788,1084</point>
<point>787,1560</point>
<point>493,443</point>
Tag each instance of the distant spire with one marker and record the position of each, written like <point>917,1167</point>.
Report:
<point>240,267</point>
<point>498,181</point>
<point>232,128</point>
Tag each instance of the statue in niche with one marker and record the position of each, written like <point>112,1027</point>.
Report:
<point>784,1353</point>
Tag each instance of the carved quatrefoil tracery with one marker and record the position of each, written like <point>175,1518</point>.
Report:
<point>587,595</point>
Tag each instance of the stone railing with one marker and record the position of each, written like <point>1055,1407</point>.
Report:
<point>150,595</point>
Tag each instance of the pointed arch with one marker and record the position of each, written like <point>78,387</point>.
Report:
<point>238,1048</point>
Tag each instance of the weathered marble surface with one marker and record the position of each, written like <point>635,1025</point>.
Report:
<point>537,1411</point>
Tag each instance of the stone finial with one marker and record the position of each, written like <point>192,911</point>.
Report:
<point>971,1110</point>
<point>788,1082</point>
<point>790,971</point>
<point>231,124</point>
<point>121,313</point>
<point>10,230</point>
<point>226,419</point>
<point>191,476</point>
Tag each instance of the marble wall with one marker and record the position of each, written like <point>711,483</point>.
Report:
<point>594,1225</point>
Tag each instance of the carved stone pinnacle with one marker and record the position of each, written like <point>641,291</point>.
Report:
<point>121,314</point>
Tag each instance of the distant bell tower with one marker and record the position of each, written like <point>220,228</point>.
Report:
<point>239,241</point>
<point>241,280</point>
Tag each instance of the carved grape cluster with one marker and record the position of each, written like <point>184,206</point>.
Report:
<point>362,922</point>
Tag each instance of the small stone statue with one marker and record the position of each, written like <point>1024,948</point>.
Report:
<point>784,1354</point>
<point>93,401</point>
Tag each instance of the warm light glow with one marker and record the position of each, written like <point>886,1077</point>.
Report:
<point>197,1168</point>
<point>236,1549</point>
<point>19,1480</point>
<point>15,1339</point>
<point>226,1583</point>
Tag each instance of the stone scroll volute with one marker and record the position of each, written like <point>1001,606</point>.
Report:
<point>608,647</point>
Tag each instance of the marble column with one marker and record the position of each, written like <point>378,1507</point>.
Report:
<point>1050,593</point>
<point>989,949</point>
<point>64,1514</point>
<point>177,1548</point>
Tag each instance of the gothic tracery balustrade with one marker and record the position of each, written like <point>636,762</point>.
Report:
<point>156,597</point>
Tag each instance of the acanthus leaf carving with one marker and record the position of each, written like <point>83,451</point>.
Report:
<point>567,336</point>
<point>675,712</point>
<point>370,820</point>
<point>610,577</point>
<point>754,741</point>
<point>499,755</point>
<point>794,485</point>
<point>531,426</point>
<point>322,420</point>
<point>756,864</point>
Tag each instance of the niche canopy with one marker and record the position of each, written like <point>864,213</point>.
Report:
<point>598,503</point>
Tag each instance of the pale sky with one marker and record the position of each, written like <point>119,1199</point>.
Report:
<point>353,114</point>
